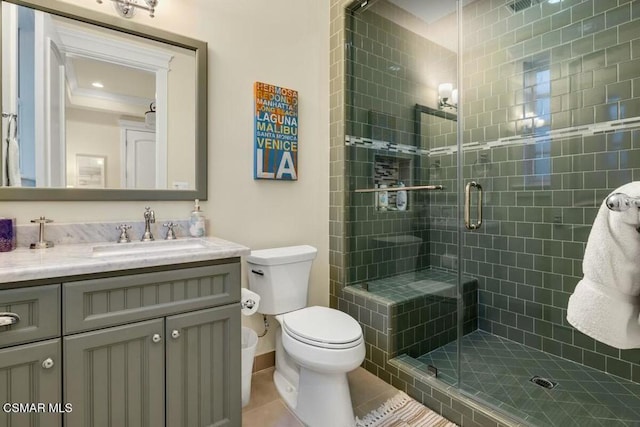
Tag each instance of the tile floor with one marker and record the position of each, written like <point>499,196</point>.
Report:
<point>266,409</point>
<point>498,371</point>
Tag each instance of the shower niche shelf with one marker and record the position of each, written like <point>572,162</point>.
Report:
<point>391,171</point>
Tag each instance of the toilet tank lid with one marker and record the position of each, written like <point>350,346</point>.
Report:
<point>285,255</point>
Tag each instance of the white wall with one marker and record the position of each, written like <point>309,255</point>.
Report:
<point>284,43</point>
<point>94,133</point>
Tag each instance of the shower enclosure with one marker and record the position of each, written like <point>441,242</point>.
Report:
<point>506,123</point>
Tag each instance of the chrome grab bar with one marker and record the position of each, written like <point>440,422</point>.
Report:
<point>415,187</point>
<point>8,319</point>
<point>467,206</point>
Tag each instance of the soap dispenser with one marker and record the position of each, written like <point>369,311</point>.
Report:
<point>401,198</point>
<point>196,221</point>
<point>383,198</point>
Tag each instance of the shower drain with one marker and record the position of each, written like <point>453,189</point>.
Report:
<point>543,382</point>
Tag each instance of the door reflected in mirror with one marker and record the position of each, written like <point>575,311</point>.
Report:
<point>81,91</point>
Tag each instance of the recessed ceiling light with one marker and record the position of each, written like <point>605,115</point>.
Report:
<point>97,84</point>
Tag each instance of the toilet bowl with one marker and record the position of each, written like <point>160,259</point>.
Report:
<point>322,355</point>
<point>315,346</point>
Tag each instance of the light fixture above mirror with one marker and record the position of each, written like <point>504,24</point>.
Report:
<point>127,8</point>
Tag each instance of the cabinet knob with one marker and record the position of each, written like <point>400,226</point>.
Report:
<point>156,338</point>
<point>47,363</point>
<point>175,334</point>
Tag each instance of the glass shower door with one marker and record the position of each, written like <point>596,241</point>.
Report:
<point>401,162</point>
<point>549,117</point>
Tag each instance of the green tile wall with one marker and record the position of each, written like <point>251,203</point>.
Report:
<point>387,71</point>
<point>540,196</point>
<point>519,258</point>
<point>383,87</point>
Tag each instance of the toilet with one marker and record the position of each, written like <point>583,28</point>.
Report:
<point>315,346</point>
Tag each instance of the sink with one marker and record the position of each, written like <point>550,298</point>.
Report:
<point>150,248</point>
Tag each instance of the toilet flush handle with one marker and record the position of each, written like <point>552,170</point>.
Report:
<point>258,272</point>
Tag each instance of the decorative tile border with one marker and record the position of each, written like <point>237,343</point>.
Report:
<point>376,144</point>
<point>587,130</point>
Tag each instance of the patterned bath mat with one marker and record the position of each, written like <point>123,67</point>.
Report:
<point>403,411</point>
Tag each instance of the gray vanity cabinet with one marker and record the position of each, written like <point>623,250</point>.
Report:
<point>30,373</point>
<point>115,376</point>
<point>151,347</point>
<point>203,368</point>
<point>154,349</point>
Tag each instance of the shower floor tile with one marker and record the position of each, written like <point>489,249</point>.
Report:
<point>498,371</point>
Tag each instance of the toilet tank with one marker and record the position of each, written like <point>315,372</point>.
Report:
<point>281,277</point>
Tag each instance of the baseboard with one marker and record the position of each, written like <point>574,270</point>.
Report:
<point>264,361</point>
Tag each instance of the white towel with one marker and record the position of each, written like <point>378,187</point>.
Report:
<point>605,304</point>
<point>3,166</point>
<point>13,163</point>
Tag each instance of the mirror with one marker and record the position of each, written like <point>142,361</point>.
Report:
<point>97,108</point>
<point>435,130</point>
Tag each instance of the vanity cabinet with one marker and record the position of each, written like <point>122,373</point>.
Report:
<point>203,368</point>
<point>115,376</point>
<point>160,347</point>
<point>118,373</point>
<point>31,373</point>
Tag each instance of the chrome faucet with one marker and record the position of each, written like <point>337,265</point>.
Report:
<point>149,218</point>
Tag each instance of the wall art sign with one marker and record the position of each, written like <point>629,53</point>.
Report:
<point>276,132</point>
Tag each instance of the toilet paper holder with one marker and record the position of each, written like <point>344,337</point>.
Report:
<point>249,303</point>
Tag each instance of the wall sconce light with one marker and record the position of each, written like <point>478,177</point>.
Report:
<point>127,8</point>
<point>447,96</point>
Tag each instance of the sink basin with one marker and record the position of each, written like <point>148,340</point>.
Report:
<point>150,248</point>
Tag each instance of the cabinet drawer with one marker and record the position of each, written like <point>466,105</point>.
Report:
<point>39,311</point>
<point>92,304</point>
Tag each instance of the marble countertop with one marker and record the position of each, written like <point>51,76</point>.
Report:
<point>64,260</point>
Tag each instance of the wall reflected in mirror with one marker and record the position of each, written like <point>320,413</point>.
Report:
<point>81,91</point>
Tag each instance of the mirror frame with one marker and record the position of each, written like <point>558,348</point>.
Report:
<point>116,23</point>
<point>419,109</point>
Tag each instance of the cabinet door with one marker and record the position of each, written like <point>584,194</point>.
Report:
<point>24,379</point>
<point>203,368</point>
<point>115,376</point>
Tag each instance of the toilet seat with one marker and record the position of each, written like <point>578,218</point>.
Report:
<point>323,327</point>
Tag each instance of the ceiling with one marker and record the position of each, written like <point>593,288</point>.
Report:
<point>435,20</point>
<point>117,79</point>
<point>428,11</point>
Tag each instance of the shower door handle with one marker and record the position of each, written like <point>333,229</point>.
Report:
<point>467,206</point>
